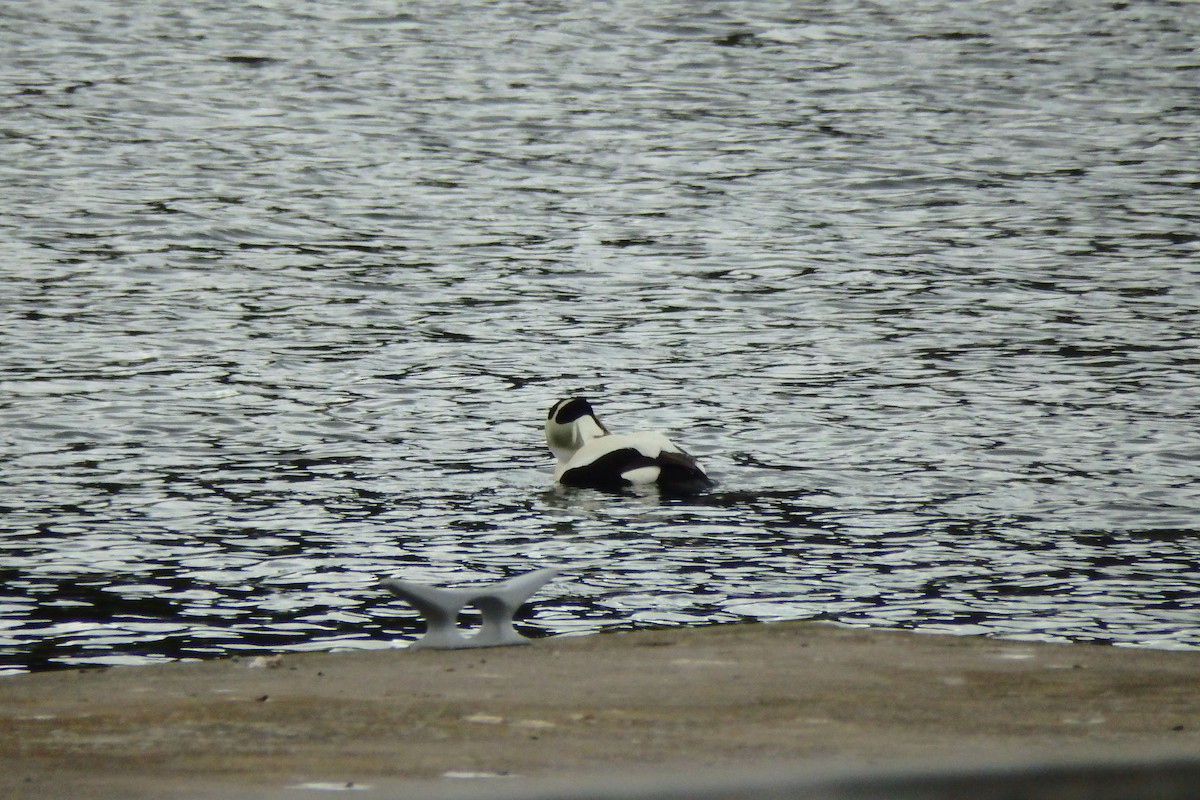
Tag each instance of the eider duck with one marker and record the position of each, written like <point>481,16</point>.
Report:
<point>591,457</point>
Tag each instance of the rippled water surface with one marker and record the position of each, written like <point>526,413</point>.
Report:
<point>289,286</point>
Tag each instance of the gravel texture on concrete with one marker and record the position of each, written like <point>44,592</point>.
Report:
<point>673,702</point>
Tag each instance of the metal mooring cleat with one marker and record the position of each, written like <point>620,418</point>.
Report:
<point>498,602</point>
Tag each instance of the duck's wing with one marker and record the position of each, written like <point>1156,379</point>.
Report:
<point>620,460</point>
<point>610,469</point>
<point>677,468</point>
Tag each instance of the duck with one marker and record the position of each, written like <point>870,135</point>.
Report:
<point>591,457</point>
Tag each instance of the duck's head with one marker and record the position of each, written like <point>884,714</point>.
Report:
<point>570,424</point>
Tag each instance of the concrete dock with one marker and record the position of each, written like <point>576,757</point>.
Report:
<point>658,708</point>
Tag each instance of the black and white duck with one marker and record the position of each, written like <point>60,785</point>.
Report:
<point>591,457</point>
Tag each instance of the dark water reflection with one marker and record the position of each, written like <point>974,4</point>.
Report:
<point>287,294</point>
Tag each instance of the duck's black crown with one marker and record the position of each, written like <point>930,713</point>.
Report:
<point>567,411</point>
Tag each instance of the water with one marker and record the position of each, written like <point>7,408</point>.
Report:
<point>290,286</point>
